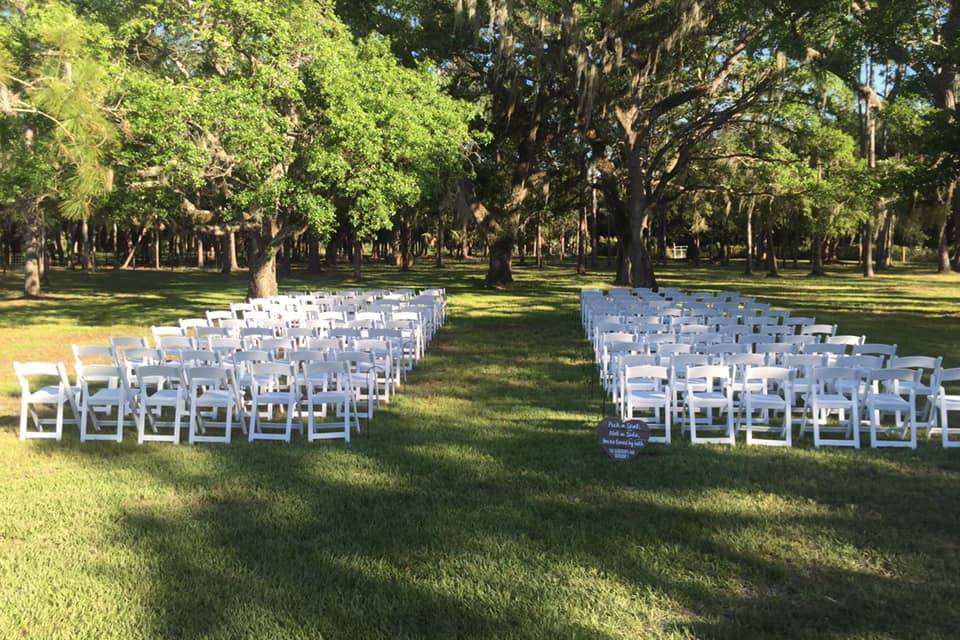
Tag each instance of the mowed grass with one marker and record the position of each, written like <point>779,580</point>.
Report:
<point>477,504</point>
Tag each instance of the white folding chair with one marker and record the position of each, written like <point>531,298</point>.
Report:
<point>948,400</point>
<point>104,390</point>
<point>819,331</point>
<point>767,389</point>
<point>160,387</point>
<point>887,394</point>
<point>925,385</point>
<point>710,388</point>
<point>211,390</point>
<point>363,378</point>
<point>644,388</point>
<point>273,384</point>
<point>55,395</point>
<point>835,389</point>
<point>327,385</point>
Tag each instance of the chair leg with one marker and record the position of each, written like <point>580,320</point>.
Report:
<point>228,421</point>
<point>177,419</point>
<point>141,422</point>
<point>59,425</point>
<point>84,410</point>
<point>788,424</point>
<point>731,427</point>
<point>24,408</point>
<point>667,426</point>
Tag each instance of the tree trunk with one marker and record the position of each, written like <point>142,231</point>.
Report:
<point>229,251</point>
<point>85,245</point>
<point>200,255</point>
<point>773,267</point>
<point>955,205</point>
<point>943,250</point>
<point>582,242</point>
<point>866,248</point>
<point>538,244</point>
<point>639,209</point>
<point>262,259</point>
<point>31,253</point>
<point>816,255</point>
<point>885,248</point>
<point>464,241</point>
<point>313,255</point>
<point>115,240</point>
<point>500,270</point>
<point>330,253</point>
<point>406,244</point>
<point>593,234</point>
<point>748,270</point>
<point>132,249</point>
<point>441,240</point>
<point>156,247</point>
<point>358,259</point>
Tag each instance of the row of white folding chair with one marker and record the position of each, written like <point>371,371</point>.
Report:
<point>230,352</point>
<point>104,395</point>
<point>833,389</point>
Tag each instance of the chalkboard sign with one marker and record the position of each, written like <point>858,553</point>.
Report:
<point>623,439</point>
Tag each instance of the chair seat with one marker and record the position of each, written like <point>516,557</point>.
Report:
<point>919,388</point>
<point>766,400</point>
<point>833,400</point>
<point>163,396</point>
<point>108,397</point>
<point>888,401</point>
<point>702,397</point>
<point>275,397</point>
<point>657,396</point>
<point>46,395</point>
<point>215,397</point>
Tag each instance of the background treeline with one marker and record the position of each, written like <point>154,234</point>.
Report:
<point>258,135</point>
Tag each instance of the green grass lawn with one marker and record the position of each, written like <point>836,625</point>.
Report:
<point>478,504</point>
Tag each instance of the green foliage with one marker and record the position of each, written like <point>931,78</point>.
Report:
<point>56,87</point>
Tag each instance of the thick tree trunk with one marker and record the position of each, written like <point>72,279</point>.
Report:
<point>358,259</point>
<point>156,247</point>
<point>816,255</point>
<point>641,266</point>
<point>748,270</point>
<point>115,240</point>
<point>582,232</point>
<point>313,256</point>
<point>330,253</point>
<point>943,250</point>
<point>262,259</point>
<point>132,248</point>
<point>405,257</point>
<point>31,253</point>
<point>464,241</point>
<point>773,267</point>
<point>500,270</point>
<point>885,246</point>
<point>441,240</point>
<point>85,246</point>
<point>866,248</point>
<point>228,251</point>
<point>538,246</point>
<point>955,205</point>
<point>593,232</point>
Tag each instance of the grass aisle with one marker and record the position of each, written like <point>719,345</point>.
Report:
<point>478,504</point>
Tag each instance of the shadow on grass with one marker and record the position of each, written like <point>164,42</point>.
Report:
<point>479,505</point>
